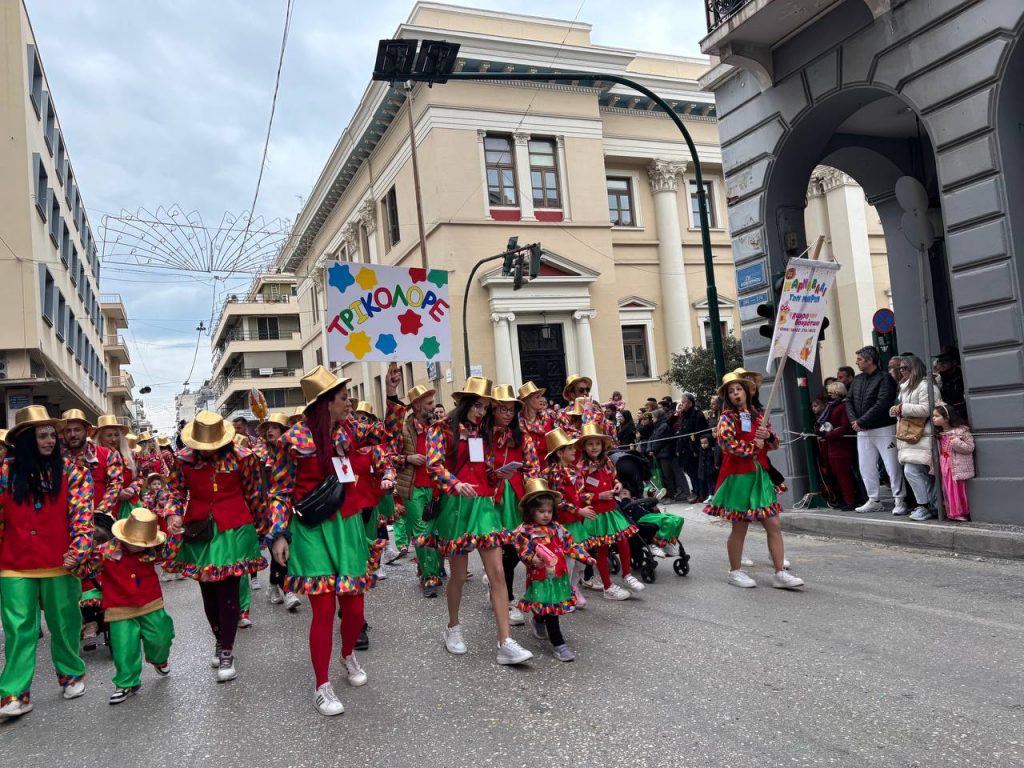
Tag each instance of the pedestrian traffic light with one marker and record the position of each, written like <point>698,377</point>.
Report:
<point>536,252</point>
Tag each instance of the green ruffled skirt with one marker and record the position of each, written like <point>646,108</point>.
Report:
<point>465,524</point>
<point>669,527</point>
<point>748,496</point>
<point>229,553</point>
<point>335,556</point>
<point>508,511</point>
<point>548,597</point>
<point>579,531</point>
<point>608,528</point>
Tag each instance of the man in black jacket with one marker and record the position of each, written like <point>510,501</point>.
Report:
<point>872,395</point>
<point>662,449</point>
<point>691,424</point>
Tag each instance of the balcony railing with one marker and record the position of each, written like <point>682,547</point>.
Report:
<point>221,383</point>
<point>240,335</point>
<point>121,382</point>
<point>114,340</point>
<point>110,298</point>
<point>719,11</point>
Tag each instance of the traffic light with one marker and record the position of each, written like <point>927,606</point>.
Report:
<point>517,274</point>
<point>536,252</point>
<point>768,309</point>
<point>510,256</point>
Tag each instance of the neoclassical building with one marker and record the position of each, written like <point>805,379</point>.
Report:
<point>591,171</point>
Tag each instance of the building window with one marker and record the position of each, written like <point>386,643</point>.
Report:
<point>42,182</point>
<point>501,171</point>
<point>707,331</point>
<point>392,230</point>
<point>695,205</point>
<point>69,255</point>
<point>71,330</point>
<point>276,398</point>
<point>62,310</point>
<point>71,196</point>
<point>49,122</point>
<point>620,202</point>
<point>81,279</point>
<point>267,328</point>
<point>319,356</point>
<point>79,343</point>
<point>47,293</point>
<point>35,80</point>
<point>55,222</point>
<point>61,158</point>
<point>635,351</point>
<point>544,174</point>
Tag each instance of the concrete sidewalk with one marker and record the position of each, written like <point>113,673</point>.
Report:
<point>980,539</point>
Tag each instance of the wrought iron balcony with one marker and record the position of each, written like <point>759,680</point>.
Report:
<point>719,11</point>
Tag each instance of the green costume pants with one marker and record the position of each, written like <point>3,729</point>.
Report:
<point>19,609</point>
<point>244,595</point>
<point>155,631</point>
<point>427,557</point>
<point>401,530</point>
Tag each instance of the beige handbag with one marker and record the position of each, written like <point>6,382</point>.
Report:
<point>911,429</point>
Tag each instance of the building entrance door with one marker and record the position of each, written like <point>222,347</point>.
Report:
<point>542,358</point>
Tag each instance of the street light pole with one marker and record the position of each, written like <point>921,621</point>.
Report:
<point>416,178</point>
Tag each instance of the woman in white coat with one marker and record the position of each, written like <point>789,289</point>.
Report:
<point>916,457</point>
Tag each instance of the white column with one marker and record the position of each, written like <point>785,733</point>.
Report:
<point>585,347</point>
<point>504,369</point>
<point>368,218</point>
<point>563,178</point>
<point>675,297</point>
<point>523,184</point>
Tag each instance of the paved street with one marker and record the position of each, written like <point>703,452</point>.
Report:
<point>888,658</point>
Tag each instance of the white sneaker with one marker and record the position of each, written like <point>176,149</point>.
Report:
<point>244,622</point>
<point>786,580</point>
<point>381,574</point>
<point>740,579</point>
<point>15,708</point>
<point>390,553</point>
<point>921,513</point>
<point>74,690</point>
<point>671,550</point>
<point>615,592</point>
<point>255,585</point>
<point>327,702</point>
<point>356,675</point>
<point>900,508</point>
<point>276,595</point>
<point>658,551</point>
<point>226,667</point>
<point>581,601</point>
<point>510,652</point>
<point>515,616</point>
<point>709,499</point>
<point>634,584</point>
<point>746,562</point>
<point>871,505</point>
<point>594,583</point>
<point>661,494</point>
<point>291,601</point>
<point>215,659</point>
<point>453,640</point>
<point>785,564</point>
<point>487,581</point>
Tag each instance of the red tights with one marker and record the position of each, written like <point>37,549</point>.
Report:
<point>321,629</point>
<point>601,556</point>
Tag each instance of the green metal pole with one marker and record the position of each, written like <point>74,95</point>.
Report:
<point>705,229</point>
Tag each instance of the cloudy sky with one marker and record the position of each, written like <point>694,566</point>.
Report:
<point>166,103</point>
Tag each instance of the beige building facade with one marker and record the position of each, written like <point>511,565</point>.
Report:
<point>591,171</point>
<point>54,347</point>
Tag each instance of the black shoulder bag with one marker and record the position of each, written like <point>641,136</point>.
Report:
<point>321,502</point>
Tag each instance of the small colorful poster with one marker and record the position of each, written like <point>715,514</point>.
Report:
<point>803,304</point>
<point>379,313</point>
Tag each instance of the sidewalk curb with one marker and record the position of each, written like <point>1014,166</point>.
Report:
<point>949,537</point>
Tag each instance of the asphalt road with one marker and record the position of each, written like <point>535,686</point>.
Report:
<point>888,657</point>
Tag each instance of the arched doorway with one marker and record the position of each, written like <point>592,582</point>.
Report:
<point>1010,135</point>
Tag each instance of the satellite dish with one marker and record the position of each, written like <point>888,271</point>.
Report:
<point>918,229</point>
<point>911,194</point>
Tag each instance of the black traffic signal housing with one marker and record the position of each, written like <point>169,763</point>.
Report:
<point>536,252</point>
<point>510,256</point>
<point>769,310</point>
<point>517,274</point>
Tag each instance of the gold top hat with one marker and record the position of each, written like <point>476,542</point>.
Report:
<point>207,432</point>
<point>108,420</point>
<point>76,415</point>
<point>364,407</point>
<point>419,392</point>
<point>753,376</point>
<point>133,440</point>
<point>318,383</point>
<point>475,385</point>
<point>145,437</point>
<point>528,389</point>
<point>3,435</point>
<point>278,418</point>
<point>240,440</point>
<point>573,380</point>
<point>732,377</point>
<point>504,393</point>
<point>295,418</point>
<point>139,529</point>
<point>163,441</point>
<point>32,416</point>
<point>154,476</point>
<point>578,407</point>
<point>593,431</point>
<point>556,440</point>
<point>537,486</point>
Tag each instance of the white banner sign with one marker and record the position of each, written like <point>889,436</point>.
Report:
<point>803,304</point>
<point>378,313</point>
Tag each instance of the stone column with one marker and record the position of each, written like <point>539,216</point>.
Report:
<point>368,218</point>
<point>504,369</point>
<point>523,183</point>
<point>585,347</point>
<point>675,297</point>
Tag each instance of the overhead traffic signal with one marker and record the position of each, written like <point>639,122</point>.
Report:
<point>769,309</point>
<point>536,252</point>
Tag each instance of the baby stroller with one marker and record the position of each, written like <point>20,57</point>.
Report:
<point>641,556</point>
<point>92,612</point>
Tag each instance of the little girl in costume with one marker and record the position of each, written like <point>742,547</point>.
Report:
<point>610,526</point>
<point>745,493</point>
<point>956,460</point>
<point>133,603</point>
<point>543,546</point>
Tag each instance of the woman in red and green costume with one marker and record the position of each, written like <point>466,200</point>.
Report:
<point>511,446</point>
<point>215,486</point>
<point>745,493</point>
<point>113,435</point>
<point>536,419</point>
<point>379,505</point>
<point>333,562</point>
<point>460,460</point>
<point>45,537</point>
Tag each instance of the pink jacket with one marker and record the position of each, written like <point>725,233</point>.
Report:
<point>959,443</point>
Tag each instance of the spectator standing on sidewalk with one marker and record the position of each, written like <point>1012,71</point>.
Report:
<point>839,446</point>
<point>872,395</point>
<point>951,380</point>
<point>845,375</point>
<point>916,455</point>
<point>663,450</point>
<point>692,425</point>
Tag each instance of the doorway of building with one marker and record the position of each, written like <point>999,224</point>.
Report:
<point>542,357</point>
